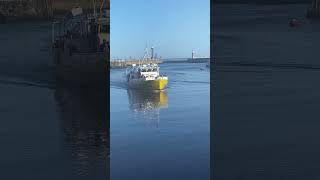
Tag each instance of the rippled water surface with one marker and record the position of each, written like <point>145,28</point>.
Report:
<point>162,134</point>
<point>47,131</point>
<point>266,93</point>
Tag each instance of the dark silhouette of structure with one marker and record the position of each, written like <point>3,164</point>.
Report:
<point>314,10</point>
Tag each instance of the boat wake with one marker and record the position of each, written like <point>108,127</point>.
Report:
<point>118,85</point>
<point>292,66</point>
<point>193,82</point>
<point>25,83</point>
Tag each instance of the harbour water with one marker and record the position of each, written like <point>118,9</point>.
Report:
<point>47,131</point>
<point>266,93</point>
<point>161,134</point>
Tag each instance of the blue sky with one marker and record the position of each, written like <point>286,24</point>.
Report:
<point>174,27</point>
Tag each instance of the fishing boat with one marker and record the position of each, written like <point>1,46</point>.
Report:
<point>146,76</point>
<point>81,48</point>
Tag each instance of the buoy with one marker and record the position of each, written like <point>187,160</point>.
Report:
<point>294,22</point>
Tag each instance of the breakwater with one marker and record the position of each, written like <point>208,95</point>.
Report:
<point>126,63</point>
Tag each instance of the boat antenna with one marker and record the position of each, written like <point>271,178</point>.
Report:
<point>146,54</point>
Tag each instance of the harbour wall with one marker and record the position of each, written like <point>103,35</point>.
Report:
<point>127,63</point>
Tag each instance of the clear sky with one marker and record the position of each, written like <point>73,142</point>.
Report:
<point>173,27</point>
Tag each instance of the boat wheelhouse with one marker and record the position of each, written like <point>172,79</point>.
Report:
<point>146,76</point>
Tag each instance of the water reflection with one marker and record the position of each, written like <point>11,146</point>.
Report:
<point>85,128</point>
<point>146,105</point>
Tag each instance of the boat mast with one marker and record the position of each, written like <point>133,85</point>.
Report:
<point>145,56</point>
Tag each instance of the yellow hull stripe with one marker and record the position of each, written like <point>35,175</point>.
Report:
<point>152,84</point>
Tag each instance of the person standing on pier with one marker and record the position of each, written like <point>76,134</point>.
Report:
<point>108,47</point>
<point>103,46</point>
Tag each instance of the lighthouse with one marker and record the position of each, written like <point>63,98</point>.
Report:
<point>152,52</point>
<point>193,53</point>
